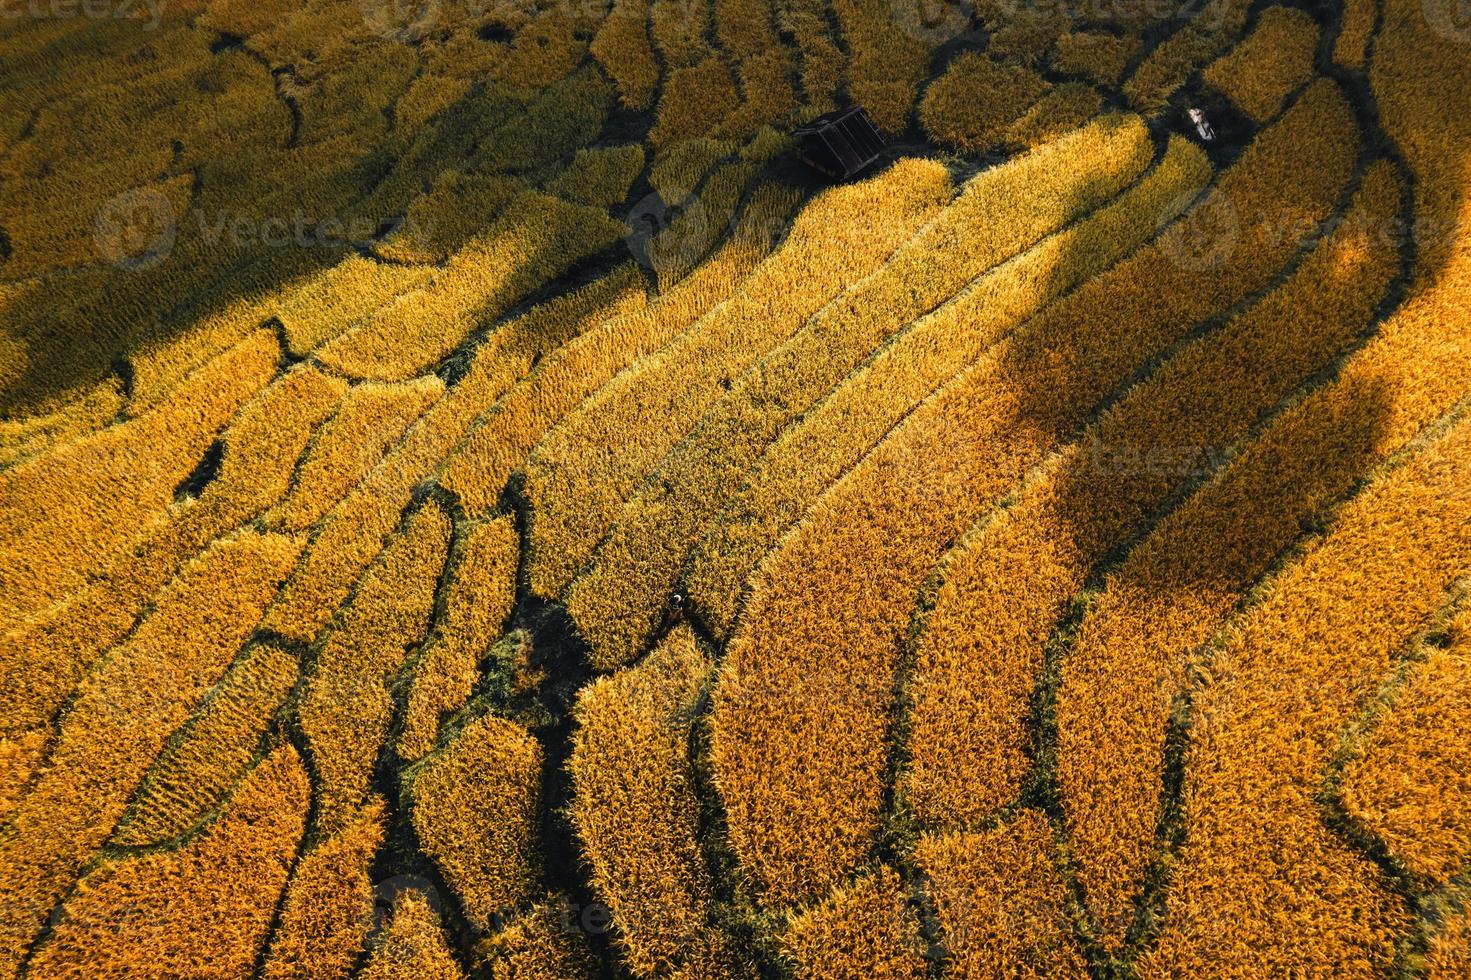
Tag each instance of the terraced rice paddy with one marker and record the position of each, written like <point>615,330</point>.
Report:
<point>474,505</point>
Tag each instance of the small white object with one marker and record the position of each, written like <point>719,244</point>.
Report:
<point>1202,125</point>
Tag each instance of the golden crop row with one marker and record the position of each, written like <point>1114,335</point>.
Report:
<point>93,408</point>
<point>1407,780</point>
<point>680,29</point>
<point>1415,370</point>
<point>812,669</point>
<point>357,528</point>
<point>1450,950</point>
<point>45,656</point>
<point>101,494</point>
<point>678,170</point>
<point>540,944</point>
<point>1355,30</point>
<point>1006,583</point>
<point>476,806</point>
<point>328,909</point>
<point>412,945</point>
<point>634,804</point>
<point>371,419</point>
<point>886,61</point>
<point>536,239</point>
<point>345,708</point>
<point>1144,609</point>
<point>582,471</point>
<point>201,763</point>
<point>1097,57</point>
<point>999,901</point>
<point>601,176</point>
<point>1174,60</point>
<point>623,48</point>
<point>1275,59</point>
<point>326,305</point>
<point>477,603</point>
<point>866,928</point>
<point>203,909</point>
<point>1289,677</point>
<point>509,430</point>
<point>951,113</point>
<point>809,457</point>
<point>1064,108</point>
<point>122,714</point>
<point>823,63</point>
<point>617,603</point>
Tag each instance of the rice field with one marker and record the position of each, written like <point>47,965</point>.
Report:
<point>475,504</point>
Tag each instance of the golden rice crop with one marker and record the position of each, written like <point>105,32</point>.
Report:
<point>678,170</point>
<point>1289,677</point>
<point>952,114</point>
<point>695,98</point>
<point>768,95</point>
<point>199,766</point>
<point>338,297</point>
<point>1173,61</point>
<point>601,176</point>
<point>478,601</point>
<point>45,656</point>
<point>1063,108</point>
<point>1450,951</point>
<point>623,47</point>
<point>201,910</point>
<point>535,239</point>
<point>1413,372</point>
<point>329,903</point>
<point>543,943</point>
<point>1024,34</point>
<point>25,439</point>
<point>120,717</point>
<point>358,527</point>
<point>745,28</point>
<point>847,423</point>
<point>102,492</point>
<point>634,804</point>
<point>999,900</point>
<point>476,807</point>
<point>580,474</point>
<point>887,58</point>
<point>20,756</point>
<point>1007,584</point>
<point>680,28</point>
<point>617,602</point>
<point>866,928</point>
<point>812,668</point>
<point>1356,27</point>
<point>412,944</point>
<point>507,433</point>
<point>822,61</point>
<point>345,707</point>
<point>372,417</point>
<point>1408,780</point>
<point>1098,57</point>
<point>450,214</point>
<point>1275,59</point>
